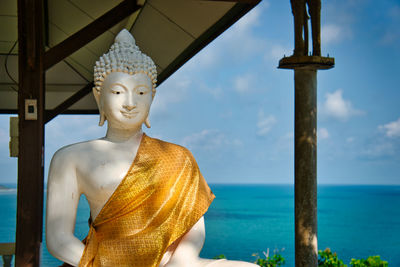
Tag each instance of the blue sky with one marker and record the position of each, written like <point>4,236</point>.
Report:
<point>234,109</point>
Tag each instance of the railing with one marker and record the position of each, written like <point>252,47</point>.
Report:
<point>7,250</point>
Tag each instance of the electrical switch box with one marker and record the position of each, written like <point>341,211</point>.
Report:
<point>30,109</point>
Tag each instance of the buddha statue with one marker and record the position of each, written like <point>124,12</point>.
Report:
<point>147,197</point>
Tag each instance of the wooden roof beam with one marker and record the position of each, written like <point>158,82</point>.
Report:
<point>51,114</point>
<point>89,33</point>
<point>251,2</point>
<point>233,15</point>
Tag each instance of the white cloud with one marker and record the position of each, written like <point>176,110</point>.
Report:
<point>330,34</point>
<point>5,130</point>
<point>4,136</point>
<point>243,83</point>
<point>250,19</point>
<point>173,91</point>
<point>339,21</point>
<point>277,51</point>
<point>236,44</point>
<point>391,34</point>
<point>285,144</point>
<point>65,130</point>
<point>206,58</point>
<point>264,123</point>
<point>387,145</point>
<point>394,12</point>
<point>215,92</point>
<point>389,37</point>
<point>322,134</point>
<point>334,33</point>
<point>380,149</point>
<point>209,140</point>
<point>240,38</point>
<point>337,107</point>
<point>226,114</point>
<point>392,129</point>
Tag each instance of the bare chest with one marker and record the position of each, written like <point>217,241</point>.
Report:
<point>100,175</point>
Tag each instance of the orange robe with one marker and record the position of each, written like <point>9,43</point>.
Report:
<point>160,199</point>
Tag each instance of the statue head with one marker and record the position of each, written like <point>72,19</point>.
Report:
<point>125,81</point>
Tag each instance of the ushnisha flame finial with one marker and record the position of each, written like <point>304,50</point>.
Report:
<point>124,56</point>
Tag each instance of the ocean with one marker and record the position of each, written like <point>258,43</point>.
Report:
<point>244,220</point>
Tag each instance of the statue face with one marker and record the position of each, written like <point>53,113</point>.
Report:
<point>126,99</point>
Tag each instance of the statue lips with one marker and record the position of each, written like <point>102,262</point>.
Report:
<point>129,114</point>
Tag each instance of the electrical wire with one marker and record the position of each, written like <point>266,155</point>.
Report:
<point>5,66</point>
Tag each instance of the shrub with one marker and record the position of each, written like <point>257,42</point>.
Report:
<point>371,261</point>
<point>328,259</point>
<point>220,256</point>
<point>274,261</point>
<point>325,259</point>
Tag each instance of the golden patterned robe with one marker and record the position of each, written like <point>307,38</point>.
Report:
<point>161,197</point>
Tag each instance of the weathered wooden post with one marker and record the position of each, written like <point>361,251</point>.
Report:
<point>305,68</point>
<point>31,133</point>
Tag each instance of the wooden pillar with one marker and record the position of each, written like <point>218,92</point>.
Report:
<point>305,163</point>
<point>305,167</point>
<point>31,133</point>
<point>305,69</point>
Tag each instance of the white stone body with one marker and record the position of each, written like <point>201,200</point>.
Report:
<point>95,168</point>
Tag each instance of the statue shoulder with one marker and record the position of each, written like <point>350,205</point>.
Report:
<point>75,152</point>
<point>172,149</point>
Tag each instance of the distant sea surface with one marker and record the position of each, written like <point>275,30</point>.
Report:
<point>354,221</point>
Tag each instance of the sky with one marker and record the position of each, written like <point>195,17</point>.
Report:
<point>234,109</point>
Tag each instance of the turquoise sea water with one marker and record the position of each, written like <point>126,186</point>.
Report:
<point>354,221</point>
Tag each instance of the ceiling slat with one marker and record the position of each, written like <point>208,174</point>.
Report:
<point>89,32</point>
<point>169,31</point>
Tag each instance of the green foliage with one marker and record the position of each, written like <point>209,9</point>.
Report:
<point>371,261</point>
<point>220,256</point>
<point>325,259</point>
<point>274,261</point>
<point>328,259</point>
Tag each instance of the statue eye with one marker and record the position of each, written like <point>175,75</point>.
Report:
<point>141,90</point>
<point>117,89</point>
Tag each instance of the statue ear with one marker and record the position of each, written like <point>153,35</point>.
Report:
<point>147,122</point>
<point>102,118</point>
<point>96,94</point>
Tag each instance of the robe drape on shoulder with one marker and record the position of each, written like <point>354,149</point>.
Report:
<point>160,199</point>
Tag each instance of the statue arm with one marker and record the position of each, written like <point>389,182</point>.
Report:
<point>189,246</point>
<point>62,201</point>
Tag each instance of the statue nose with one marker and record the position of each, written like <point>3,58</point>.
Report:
<point>129,107</point>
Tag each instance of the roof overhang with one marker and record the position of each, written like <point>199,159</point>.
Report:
<point>170,32</point>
